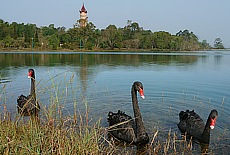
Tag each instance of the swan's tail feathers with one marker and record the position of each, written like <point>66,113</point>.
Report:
<point>21,100</point>
<point>27,106</point>
<point>115,118</point>
<point>121,127</point>
<point>185,115</point>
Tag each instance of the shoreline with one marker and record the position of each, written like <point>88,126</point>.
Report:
<point>102,50</point>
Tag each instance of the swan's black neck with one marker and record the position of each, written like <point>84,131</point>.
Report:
<point>140,129</point>
<point>205,138</point>
<point>32,87</point>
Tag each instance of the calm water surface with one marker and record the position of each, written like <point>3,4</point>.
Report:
<point>102,81</point>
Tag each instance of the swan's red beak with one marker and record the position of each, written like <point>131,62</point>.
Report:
<point>212,123</point>
<point>30,74</point>
<point>141,91</point>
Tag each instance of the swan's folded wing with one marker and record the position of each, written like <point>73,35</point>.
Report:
<point>121,126</point>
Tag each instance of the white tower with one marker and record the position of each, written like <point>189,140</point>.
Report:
<point>83,16</point>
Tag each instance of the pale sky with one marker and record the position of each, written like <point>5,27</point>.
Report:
<point>208,19</point>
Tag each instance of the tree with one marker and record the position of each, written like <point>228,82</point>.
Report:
<point>162,40</point>
<point>190,40</point>
<point>187,36</point>
<point>29,31</point>
<point>146,41</point>
<point>36,40</point>
<point>54,42</point>
<point>111,36</point>
<point>14,30</point>
<point>205,45</point>
<point>8,41</point>
<point>218,43</point>
<point>132,36</point>
<point>49,31</point>
<point>176,43</point>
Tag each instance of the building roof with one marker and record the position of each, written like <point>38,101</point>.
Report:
<point>83,9</point>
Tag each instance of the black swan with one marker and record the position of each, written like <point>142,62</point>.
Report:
<point>28,105</point>
<point>192,125</point>
<point>126,129</point>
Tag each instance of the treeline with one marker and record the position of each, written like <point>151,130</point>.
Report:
<point>22,36</point>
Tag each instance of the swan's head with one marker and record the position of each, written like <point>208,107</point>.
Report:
<point>213,116</point>
<point>31,73</point>
<point>138,86</point>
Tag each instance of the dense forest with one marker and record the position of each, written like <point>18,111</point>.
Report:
<point>20,36</point>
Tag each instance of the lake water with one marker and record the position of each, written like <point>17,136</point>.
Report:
<point>102,82</point>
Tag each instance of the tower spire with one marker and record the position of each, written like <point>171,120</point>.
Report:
<point>83,16</point>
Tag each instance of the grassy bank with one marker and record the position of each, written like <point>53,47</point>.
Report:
<point>71,136</point>
<point>105,50</point>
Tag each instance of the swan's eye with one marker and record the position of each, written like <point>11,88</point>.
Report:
<point>213,117</point>
<point>140,88</point>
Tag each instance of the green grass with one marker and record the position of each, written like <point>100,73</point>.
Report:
<point>47,138</point>
<point>68,136</point>
<point>65,137</point>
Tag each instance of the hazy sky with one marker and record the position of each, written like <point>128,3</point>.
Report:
<point>208,19</point>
